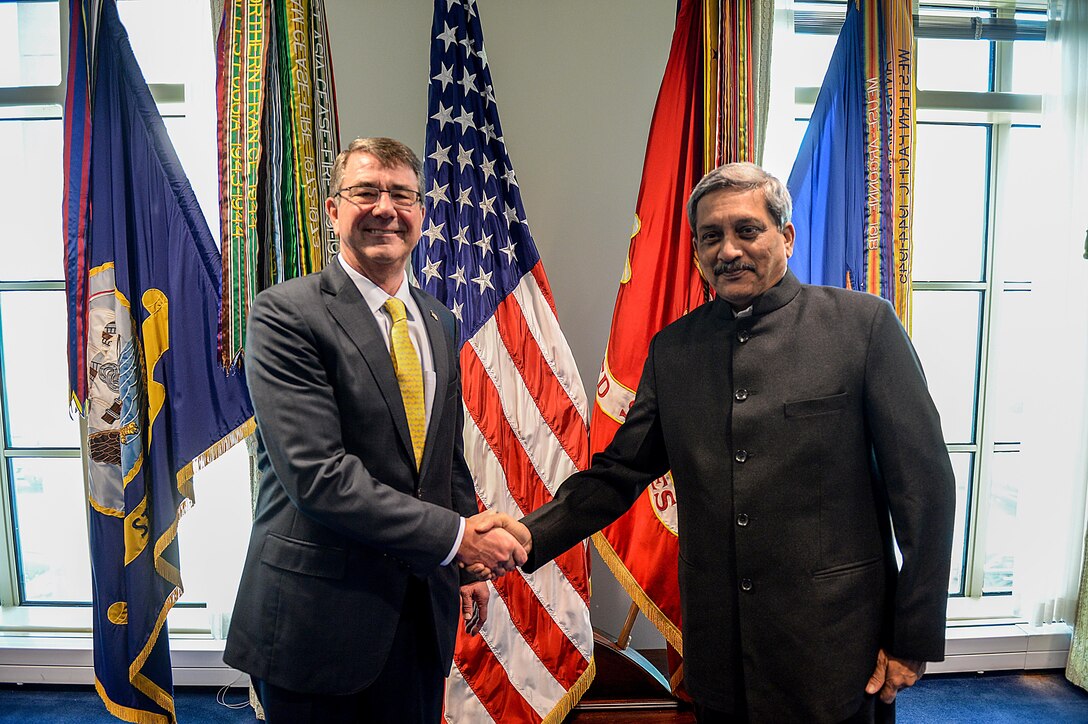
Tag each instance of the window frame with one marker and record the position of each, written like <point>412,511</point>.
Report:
<point>999,110</point>
<point>44,97</point>
<point>17,614</point>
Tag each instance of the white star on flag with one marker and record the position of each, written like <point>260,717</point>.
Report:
<point>484,244</point>
<point>447,36</point>
<point>488,167</point>
<point>445,76</point>
<point>467,82</point>
<point>430,270</point>
<point>459,277</point>
<point>511,215</point>
<point>438,193</point>
<point>487,205</point>
<point>463,199</point>
<point>464,157</point>
<point>484,280</point>
<point>460,238</point>
<point>441,154</point>
<point>443,116</point>
<point>433,231</point>
<point>465,119</point>
<point>508,250</point>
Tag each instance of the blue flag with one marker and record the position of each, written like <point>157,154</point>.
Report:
<point>827,182</point>
<point>852,182</point>
<point>158,404</point>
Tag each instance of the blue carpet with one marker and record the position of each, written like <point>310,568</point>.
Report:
<point>81,705</point>
<point>993,698</point>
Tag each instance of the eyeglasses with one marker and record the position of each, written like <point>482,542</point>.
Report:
<point>403,198</point>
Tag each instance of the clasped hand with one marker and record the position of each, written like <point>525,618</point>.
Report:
<point>493,544</point>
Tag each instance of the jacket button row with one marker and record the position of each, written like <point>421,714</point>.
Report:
<point>743,336</point>
<point>742,520</point>
<point>740,456</point>
<point>740,395</point>
<point>746,584</point>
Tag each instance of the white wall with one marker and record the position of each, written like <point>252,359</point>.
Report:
<point>575,84</point>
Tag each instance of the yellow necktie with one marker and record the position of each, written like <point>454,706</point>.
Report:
<point>409,374</point>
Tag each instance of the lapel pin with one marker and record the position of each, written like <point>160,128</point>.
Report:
<point>433,315</point>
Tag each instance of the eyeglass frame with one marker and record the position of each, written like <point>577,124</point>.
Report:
<point>418,197</point>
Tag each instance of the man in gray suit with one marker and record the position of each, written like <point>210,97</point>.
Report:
<point>804,447</point>
<point>348,604</point>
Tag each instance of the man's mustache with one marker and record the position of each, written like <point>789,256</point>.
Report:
<point>731,267</point>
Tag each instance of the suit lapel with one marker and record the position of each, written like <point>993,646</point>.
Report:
<point>439,345</point>
<point>349,309</point>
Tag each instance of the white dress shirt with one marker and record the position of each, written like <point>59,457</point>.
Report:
<point>375,297</point>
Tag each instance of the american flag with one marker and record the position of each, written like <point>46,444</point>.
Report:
<point>526,410</point>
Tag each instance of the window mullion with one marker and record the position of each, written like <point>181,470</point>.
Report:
<point>983,464</point>
<point>9,583</point>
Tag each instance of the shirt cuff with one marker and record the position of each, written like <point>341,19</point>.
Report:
<point>456,544</point>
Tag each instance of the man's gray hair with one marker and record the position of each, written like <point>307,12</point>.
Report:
<point>744,176</point>
<point>389,152</point>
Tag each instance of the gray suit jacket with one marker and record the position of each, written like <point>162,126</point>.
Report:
<point>343,518</point>
<point>795,437</point>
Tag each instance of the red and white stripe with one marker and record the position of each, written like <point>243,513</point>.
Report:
<point>525,433</point>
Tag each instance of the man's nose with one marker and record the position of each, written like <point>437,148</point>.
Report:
<point>384,206</point>
<point>728,250</point>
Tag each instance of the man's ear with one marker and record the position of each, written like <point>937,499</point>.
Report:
<point>789,232</point>
<point>333,211</point>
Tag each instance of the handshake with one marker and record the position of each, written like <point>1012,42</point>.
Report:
<point>493,544</point>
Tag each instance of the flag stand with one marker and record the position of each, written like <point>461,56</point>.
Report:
<point>625,680</point>
<point>624,637</point>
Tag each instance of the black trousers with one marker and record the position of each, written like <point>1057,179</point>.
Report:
<point>872,711</point>
<point>409,688</point>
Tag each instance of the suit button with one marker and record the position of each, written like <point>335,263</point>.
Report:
<point>743,336</point>
<point>740,395</point>
<point>746,584</point>
<point>742,520</point>
<point>740,456</point>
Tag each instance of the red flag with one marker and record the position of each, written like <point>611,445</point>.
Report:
<point>694,126</point>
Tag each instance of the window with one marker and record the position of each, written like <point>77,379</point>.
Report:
<point>977,165</point>
<point>44,556</point>
<point>40,471</point>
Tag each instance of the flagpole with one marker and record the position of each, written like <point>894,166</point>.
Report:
<point>624,637</point>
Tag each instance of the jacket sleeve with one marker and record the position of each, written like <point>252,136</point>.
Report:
<point>593,498</point>
<point>913,464</point>
<point>300,426</point>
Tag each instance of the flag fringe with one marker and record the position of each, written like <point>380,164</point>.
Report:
<point>645,604</point>
<point>138,663</point>
<point>113,512</point>
<point>157,694</point>
<point>163,567</point>
<point>170,572</point>
<point>124,713</point>
<point>235,436</point>
<point>573,696</point>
